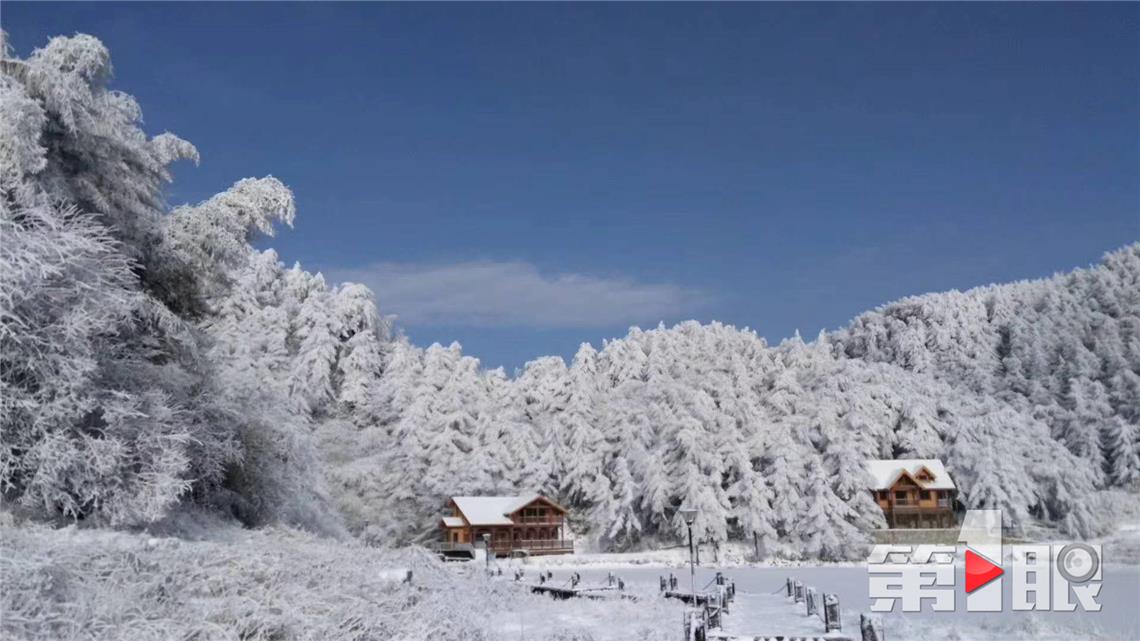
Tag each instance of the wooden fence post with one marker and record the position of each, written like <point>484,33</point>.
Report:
<point>871,627</point>
<point>831,620</point>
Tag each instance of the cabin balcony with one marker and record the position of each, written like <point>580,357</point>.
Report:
<point>532,546</point>
<point>450,546</point>
<point>453,550</point>
<point>918,507</point>
<point>539,520</point>
<point>918,516</point>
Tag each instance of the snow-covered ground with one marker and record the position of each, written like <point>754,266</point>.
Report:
<point>74,584</point>
<point>761,609</point>
<point>731,555</point>
<point>260,585</point>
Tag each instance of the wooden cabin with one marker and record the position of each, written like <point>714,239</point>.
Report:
<point>914,493</point>
<point>518,525</point>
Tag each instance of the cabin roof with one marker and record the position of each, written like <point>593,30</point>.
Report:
<point>453,521</point>
<point>494,510</point>
<point>884,473</point>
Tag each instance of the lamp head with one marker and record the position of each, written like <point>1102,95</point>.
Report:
<point>689,514</point>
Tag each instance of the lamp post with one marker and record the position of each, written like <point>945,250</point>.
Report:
<point>487,549</point>
<point>690,515</point>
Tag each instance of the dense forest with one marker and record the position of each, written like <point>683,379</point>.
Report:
<point>154,363</point>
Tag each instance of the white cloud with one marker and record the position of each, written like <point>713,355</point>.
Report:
<point>514,294</point>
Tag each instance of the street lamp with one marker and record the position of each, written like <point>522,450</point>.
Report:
<point>487,549</point>
<point>690,515</point>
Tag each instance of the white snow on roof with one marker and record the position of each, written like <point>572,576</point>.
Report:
<point>453,521</point>
<point>885,472</point>
<point>524,500</point>
<point>490,510</point>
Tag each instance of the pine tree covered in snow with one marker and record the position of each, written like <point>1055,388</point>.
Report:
<point>578,430</point>
<point>1121,445</point>
<point>826,526</point>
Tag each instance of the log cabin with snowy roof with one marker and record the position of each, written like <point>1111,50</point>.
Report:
<point>518,525</point>
<point>913,493</point>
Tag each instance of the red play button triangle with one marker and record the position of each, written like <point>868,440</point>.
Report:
<point>979,571</point>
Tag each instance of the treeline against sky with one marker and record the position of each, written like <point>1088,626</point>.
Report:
<point>152,362</point>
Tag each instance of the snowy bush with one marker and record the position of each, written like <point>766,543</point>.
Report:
<point>75,585</point>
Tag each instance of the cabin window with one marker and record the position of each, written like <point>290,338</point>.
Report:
<point>900,497</point>
<point>927,495</point>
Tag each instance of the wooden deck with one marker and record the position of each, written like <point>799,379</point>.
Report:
<point>566,592</point>
<point>709,617</point>
<point>688,597</point>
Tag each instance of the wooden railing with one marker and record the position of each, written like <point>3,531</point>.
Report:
<point>918,507</point>
<point>538,520</point>
<point>532,545</point>
<point>448,546</point>
<point>505,547</point>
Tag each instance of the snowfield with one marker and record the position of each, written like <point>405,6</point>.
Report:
<point>72,585</point>
<point>761,608</point>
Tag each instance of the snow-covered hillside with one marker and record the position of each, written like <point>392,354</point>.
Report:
<point>1027,392</point>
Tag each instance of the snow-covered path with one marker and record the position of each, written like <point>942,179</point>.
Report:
<point>754,614</point>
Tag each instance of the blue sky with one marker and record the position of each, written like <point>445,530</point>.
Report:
<point>526,177</point>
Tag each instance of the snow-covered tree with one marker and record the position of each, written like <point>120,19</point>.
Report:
<point>582,482</point>
<point>1122,457</point>
<point>109,410</point>
<point>827,526</point>
<point>364,336</point>
<point>145,352</point>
